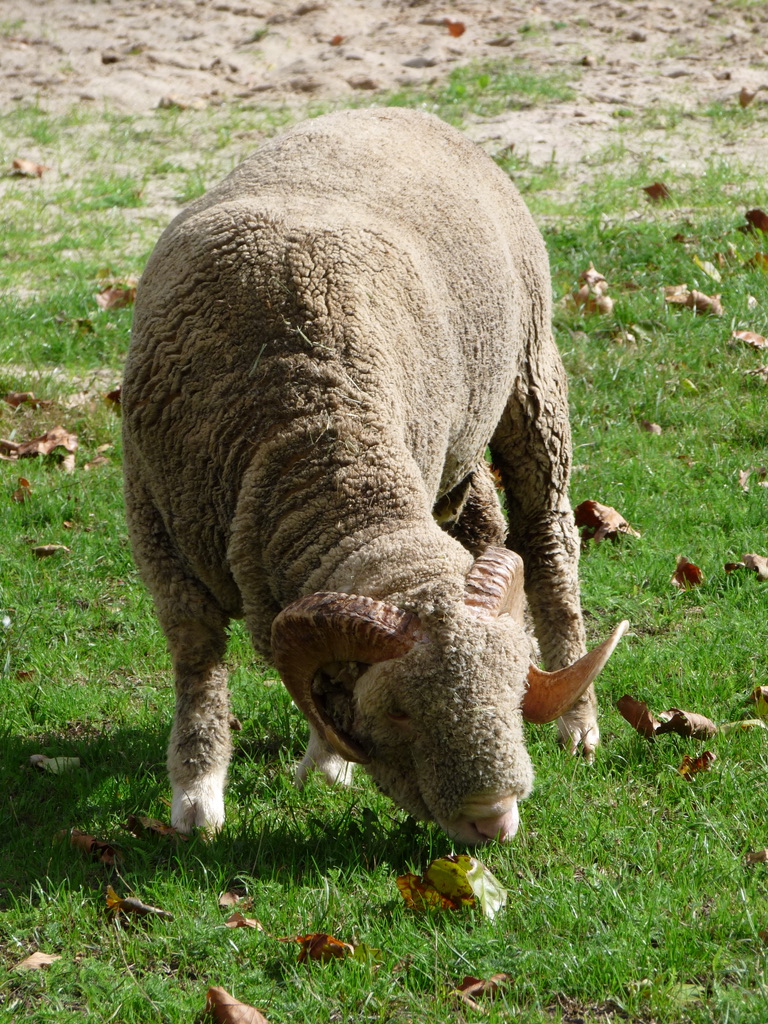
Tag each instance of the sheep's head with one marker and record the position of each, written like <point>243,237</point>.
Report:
<point>433,705</point>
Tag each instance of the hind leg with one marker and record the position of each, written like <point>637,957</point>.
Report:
<point>195,627</point>
<point>532,449</point>
<point>478,522</point>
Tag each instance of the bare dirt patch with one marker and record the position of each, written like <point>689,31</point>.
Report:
<point>623,59</point>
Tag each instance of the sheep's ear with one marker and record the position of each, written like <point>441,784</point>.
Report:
<point>551,694</point>
<point>495,584</point>
<point>327,627</point>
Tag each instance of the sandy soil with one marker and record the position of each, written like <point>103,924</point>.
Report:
<point>134,55</point>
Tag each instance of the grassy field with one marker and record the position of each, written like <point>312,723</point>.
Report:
<point>629,896</point>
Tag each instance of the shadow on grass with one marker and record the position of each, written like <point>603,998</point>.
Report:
<point>293,835</point>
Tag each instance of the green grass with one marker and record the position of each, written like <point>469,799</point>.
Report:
<point>629,897</point>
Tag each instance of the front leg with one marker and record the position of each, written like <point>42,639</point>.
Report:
<point>200,745</point>
<point>532,449</point>
<point>334,769</point>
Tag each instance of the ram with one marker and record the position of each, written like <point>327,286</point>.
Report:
<point>324,347</point>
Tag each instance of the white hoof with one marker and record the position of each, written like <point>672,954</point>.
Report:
<point>200,805</point>
<point>579,734</point>
<point>319,757</point>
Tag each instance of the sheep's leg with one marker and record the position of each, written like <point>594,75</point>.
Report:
<point>531,448</point>
<point>319,756</point>
<point>480,521</point>
<point>195,627</point>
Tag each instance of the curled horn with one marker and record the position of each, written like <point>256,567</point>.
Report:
<point>494,587</point>
<point>495,584</point>
<point>327,627</point>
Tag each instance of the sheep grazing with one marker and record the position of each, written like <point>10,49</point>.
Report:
<point>324,346</point>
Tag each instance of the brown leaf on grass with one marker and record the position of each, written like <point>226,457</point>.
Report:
<point>225,1009</point>
<point>17,398</point>
<point>760,697</point>
<point>46,550</point>
<point>456,28</point>
<point>679,294</point>
<point>657,192</point>
<point>686,575</point>
<point>650,428</point>
<point>471,988</point>
<point>757,220</point>
<point>320,946</point>
<point>140,824</point>
<point>28,168</point>
<point>757,857</point>
<point>54,765</point>
<point>693,765</point>
<point>237,920</point>
<point>94,848</point>
<point>592,294</point>
<point>115,297</point>
<point>638,715</point>
<point>24,491</point>
<point>95,462</point>
<point>600,521</point>
<point>129,906</point>
<point>750,338</point>
<point>232,899</point>
<point>686,723</point>
<point>746,96</point>
<point>35,961</point>
<point>46,444</point>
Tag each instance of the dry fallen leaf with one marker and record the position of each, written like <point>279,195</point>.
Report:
<point>320,946</point>
<point>758,857</point>
<point>745,725</point>
<point>451,882</point>
<point>686,723</point>
<point>115,297</point>
<point>600,521</point>
<point>693,765</point>
<point>760,697</point>
<point>17,398</point>
<point>650,428</point>
<point>46,444</point>
<point>28,168</point>
<point>24,491</point>
<point>471,988</point>
<point>746,96</point>
<point>657,192</point>
<point>686,575</point>
<point>757,220</point>
<point>237,920</point>
<point>592,294</point>
<point>95,848</point>
<point>46,550</point>
<point>35,961</point>
<point>698,301</point>
<point>54,765</point>
<point>336,40</point>
<point>456,28</point>
<point>638,715</point>
<point>114,397</point>
<point>140,824</point>
<point>119,907</point>
<point>225,1009</point>
<point>750,338</point>
<point>231,899</point>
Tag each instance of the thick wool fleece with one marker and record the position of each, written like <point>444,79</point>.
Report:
<point>324,345</point>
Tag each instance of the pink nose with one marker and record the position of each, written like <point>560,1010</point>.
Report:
<point>482,820</point>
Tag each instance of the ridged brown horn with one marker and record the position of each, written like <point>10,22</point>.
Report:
<point>495,584</point>
<point>327,627</point>
<point>551,694</point>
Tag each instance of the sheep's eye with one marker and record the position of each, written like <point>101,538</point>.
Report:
<point>399,716</point>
